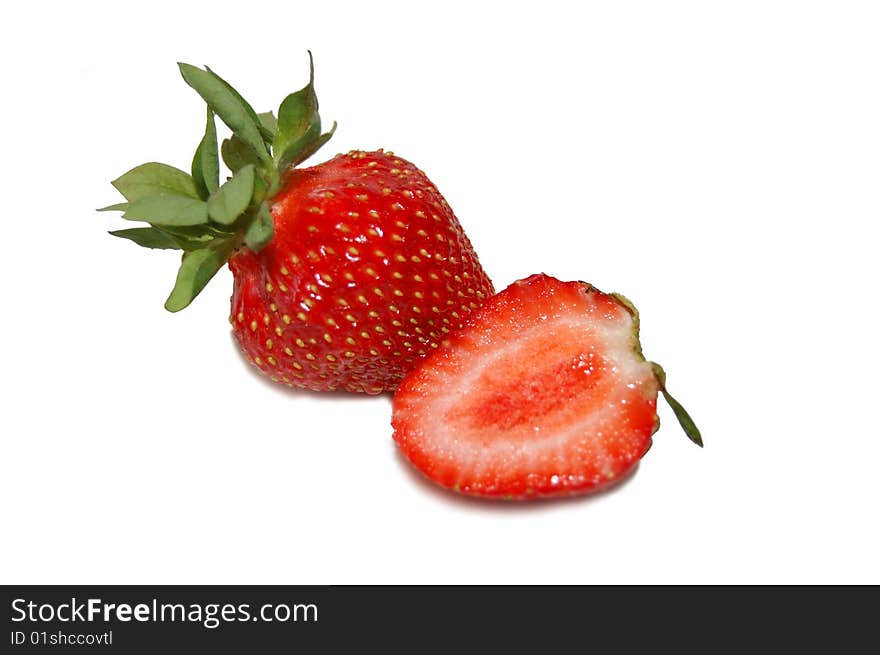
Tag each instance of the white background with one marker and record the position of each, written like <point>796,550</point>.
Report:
<point>716,162</point>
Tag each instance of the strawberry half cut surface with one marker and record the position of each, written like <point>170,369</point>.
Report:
<point>545,392</point>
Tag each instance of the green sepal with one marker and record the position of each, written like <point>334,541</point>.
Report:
<point>206,161</point>
<point>118,207</point>
<point>153,179</point>
<point>196,270</point>
<point>237,154</point>
<point>168,210</point>
<point>229,201</point>
<point>312,147</point>
<point>298,133</point>
<point>684,419</point>
<point>269,124</point>
<point>148,237</point>
<point>228,105</point>
<point>261,229</point>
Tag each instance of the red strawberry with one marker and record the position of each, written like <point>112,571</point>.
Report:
<point>367,272</point>
<point>346,273</point>
<point>545,392</point>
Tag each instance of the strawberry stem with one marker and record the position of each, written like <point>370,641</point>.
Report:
<point>684,419</point>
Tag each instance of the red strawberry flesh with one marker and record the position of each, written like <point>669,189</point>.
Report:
<point>545,392</point>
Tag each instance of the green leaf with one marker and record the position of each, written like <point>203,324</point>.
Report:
<point>261,230</point>
<point>684,419</point>
<point>228,105</point>
<point>148,237</point>
<point>118,207</point>
<point>196,270</point>
<point>168,210</point>
<point>313,147</point>
<point>206,162</point>
<point>299,124</point>
<point>237,154</point>
<point>153,179</point>
<point>229,201</point>
<point>268,122</point>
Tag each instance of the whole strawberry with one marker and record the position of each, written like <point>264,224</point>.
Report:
<point>346,273</point>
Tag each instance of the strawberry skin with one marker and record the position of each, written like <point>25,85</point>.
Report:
<point>544,392</point>
<point>368,270</point>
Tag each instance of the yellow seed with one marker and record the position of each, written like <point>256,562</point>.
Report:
<point>400,224</point>
<point>278,330</point>
<point>288,351</point>
<point>415,259</point>
<point>300,343</point>
<point>418,294</point>
<point>297,366</point>
<point>258,361</point>
<point>362,299</point>
<point>398,293</point>
<point>315,210</point>
<point>328,194</point>
<point>286,318</point>
<point>328,338</point>
<point>365,334</point>
<point>362,197</point>
<point>284,271</point>
<point>396,237</point>
<point>420,214</point>
<point>348,353</point>
<point>342,227</point>
<point>386,191</point>
<point>373,213</point>
<point>271,360</point>
<point>269,287</point>
<point>253,326</point>
<point>378,292</point>
<point>240,317</point>
<point>379,254</point>
<point>371,272</point>
<point>397,275</point>
<point>422,233</point>
<point>373,313</point>
<point>310,356</point>
<point>269,344</point>
<point>350,341</point>
<point>302,316</point>
<point>350,318</point>
<point>379,329</point>
<point>342,302</point>
<point>294,259</point>
<point>386,342</point>
<point>266,319</point>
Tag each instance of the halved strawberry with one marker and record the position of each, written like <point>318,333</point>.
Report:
<point>545,392</point>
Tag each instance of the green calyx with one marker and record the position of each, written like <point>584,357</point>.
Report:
<point>684,419</point>
<point>196,213</point>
